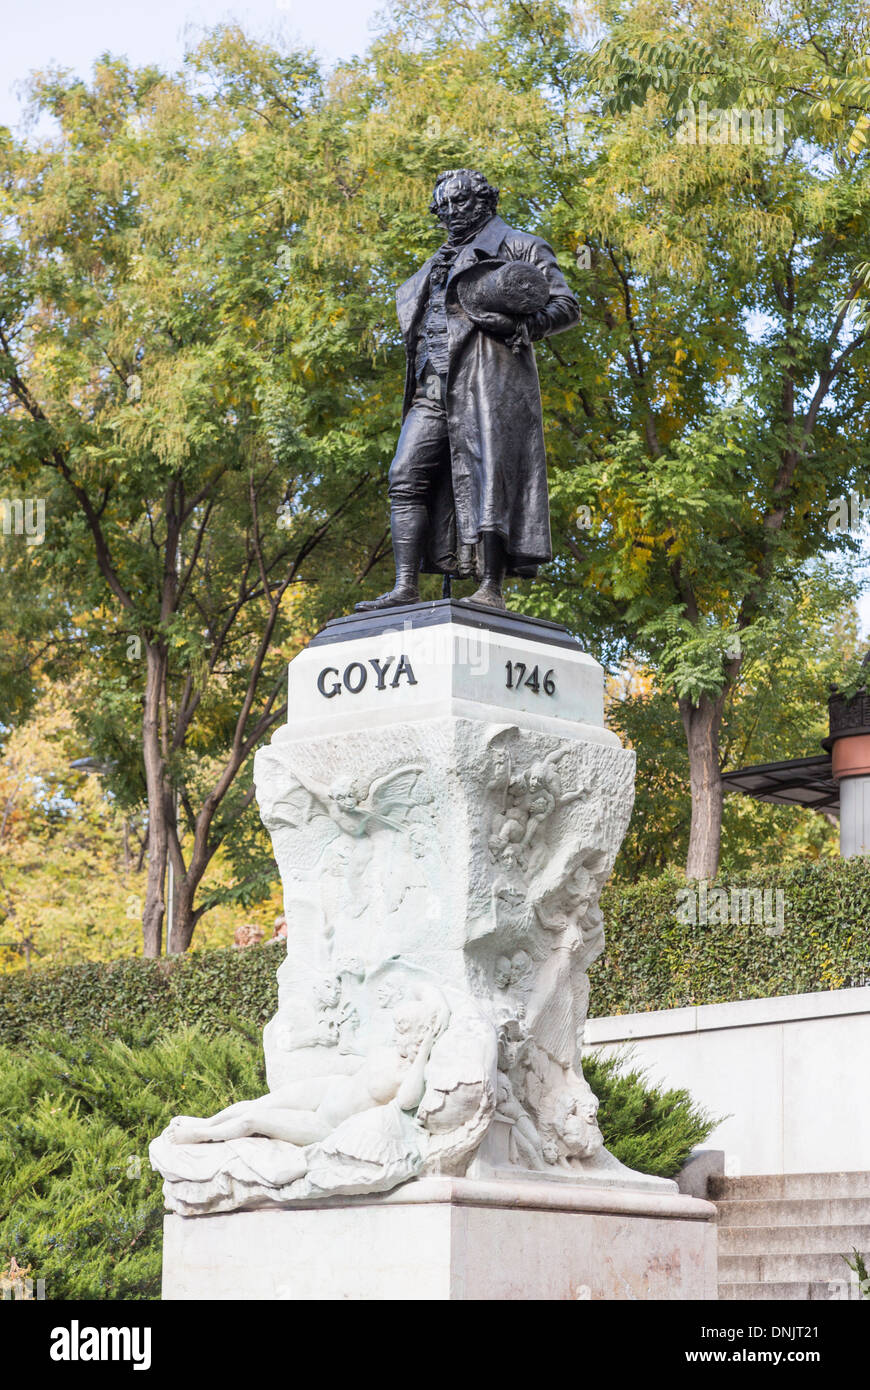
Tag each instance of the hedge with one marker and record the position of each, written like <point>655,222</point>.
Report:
<point>136,999</point>
<point>651,960</point>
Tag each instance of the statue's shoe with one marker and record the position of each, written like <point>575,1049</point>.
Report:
<point>394,599</point>
<point>489,595</point>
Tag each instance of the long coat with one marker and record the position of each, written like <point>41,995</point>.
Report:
<point>498,468</point>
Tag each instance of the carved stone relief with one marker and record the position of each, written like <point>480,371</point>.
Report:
<point>442,915</point>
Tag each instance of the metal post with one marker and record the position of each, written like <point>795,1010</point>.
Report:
<point>854,816</point>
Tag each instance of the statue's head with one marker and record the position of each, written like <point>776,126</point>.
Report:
<point>327,990</point>
<point>463,200</point>
<point>502,973</point>
<point>413,1020</point>
<point>519,966</point>
<point>575,1122</point>
<point>511,1043</point>
<point>346,793</point>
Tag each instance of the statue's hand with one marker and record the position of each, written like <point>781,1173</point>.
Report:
<point>500,325</point>
<point>521,336</point>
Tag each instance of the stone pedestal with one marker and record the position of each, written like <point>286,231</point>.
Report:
<point>445,806</point>
<point>452,1239</point>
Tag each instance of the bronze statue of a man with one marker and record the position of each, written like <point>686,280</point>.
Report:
<point>468,484</point>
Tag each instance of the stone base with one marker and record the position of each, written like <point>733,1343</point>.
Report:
<point>451,1239</point>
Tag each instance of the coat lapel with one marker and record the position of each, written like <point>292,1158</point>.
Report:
<point>490,237</point>
<point>409,297</point>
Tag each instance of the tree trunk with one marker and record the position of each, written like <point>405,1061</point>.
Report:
<point>152,917</point>
<point>185,916</point>
<point>187,881</point>
<point>702,722</point>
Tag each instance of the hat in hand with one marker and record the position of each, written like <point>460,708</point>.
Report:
<point>494,293</point>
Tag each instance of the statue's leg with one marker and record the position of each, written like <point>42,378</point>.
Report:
<point>191,1129</point>
<point>184,1130</point>
<point>494,568</point>
<point>249,1118</point>
<point>292,1126</point>
<point>421,451</point>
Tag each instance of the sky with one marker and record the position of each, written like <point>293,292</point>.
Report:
<point>71,33</point>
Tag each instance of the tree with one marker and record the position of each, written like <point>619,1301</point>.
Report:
<point>165,363</point>
<point>750,409</point>
<point>51,840</point>
<point>776,709</point>
<point>713,399</point>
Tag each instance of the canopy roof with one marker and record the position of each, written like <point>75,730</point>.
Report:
<point>795,782</point>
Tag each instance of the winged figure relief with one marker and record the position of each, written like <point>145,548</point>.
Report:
<point>354,805</point>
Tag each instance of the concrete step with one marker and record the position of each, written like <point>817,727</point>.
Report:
<point>794,1240</point>
<point>784,1268</point>
<point>813,1291</point>
<point>795,1211</point>
<point>775,1185</point>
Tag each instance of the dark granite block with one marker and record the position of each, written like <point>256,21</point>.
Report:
<point>439,611</point>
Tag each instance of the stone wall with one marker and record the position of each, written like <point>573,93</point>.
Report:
<point>789,1073</point>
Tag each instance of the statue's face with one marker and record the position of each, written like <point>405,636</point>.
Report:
<point>499,762</point>
<point>345,796</point>
<point>329,991</point>
<point>579,1130</point>
<point>519,965</point>
<point>459,207</point>
<point>410,1020</point>
<point>579,889</point>
<point>502,972</point>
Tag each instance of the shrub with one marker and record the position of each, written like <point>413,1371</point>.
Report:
<point>646,1128</point>
<point>80,1206</point>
